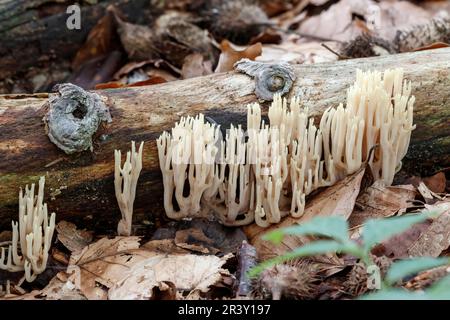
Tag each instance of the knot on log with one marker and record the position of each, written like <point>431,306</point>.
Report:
<point>73,117</point>
<point>270,78</point>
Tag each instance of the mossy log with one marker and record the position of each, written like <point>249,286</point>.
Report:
<point>80,187</point>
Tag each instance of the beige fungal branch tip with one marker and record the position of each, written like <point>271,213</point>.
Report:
<point>125,182</point>
<point>32,235</point>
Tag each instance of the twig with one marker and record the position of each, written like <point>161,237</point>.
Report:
<point>340,56</point>
<point>247,256</point>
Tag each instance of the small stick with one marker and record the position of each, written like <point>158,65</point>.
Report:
<point>340,56</point>
<point>247,258</point>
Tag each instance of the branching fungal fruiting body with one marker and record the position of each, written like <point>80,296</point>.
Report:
<point>188,154</point>
<point>267,174</point>
<point>32,235</point>
<point>125,181</point>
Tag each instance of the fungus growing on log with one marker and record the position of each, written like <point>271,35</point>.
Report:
<point>125,181</point>
<point>32,235</point>
<point>269,174</point>
<point>73,117</point>
<point>187,155</point>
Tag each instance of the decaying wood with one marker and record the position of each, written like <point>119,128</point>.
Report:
<point>81,186</point>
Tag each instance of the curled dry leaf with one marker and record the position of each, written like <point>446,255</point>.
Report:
<point>428,277</point>
<point>436,183</point>
<point>100,41</point>
<point>194,66</point>
<point>435,45</point>
<point>189,273</point>
<point>380,201</point>
<point>267,36</point>
<point>178,36</point>
<point>72,238</point>
<point>429,196</point>
<point>116,84</point>
<point>230,55</point>
<point>137,40</point>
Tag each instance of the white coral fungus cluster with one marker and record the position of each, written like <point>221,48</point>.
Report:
<point>265,173</point>
<point>32,235</point>
<point>125,182</point>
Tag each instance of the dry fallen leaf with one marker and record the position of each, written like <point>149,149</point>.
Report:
<point>195,240</point>
<point>189,273</point>
<point>436,238</point>
<point>397,246</point>
<point>428,238</point>
<point>395,15</point>
<point>379,201</point>
<point>116,84</point>
<point>99,42</point>
<point>120,269</point>
<point>72,238</point>
<point>194,66</point>
<point>230,56</point>
<point>5,236</point>
<point>432,46</point>
<point>102,264</point>
<point>426,278</point>
<point>429,196</point>
<point>202,235</point>
<point>436,183</point>
<point>61,288</point>
<point>337,22</point>
<point>137,40</point>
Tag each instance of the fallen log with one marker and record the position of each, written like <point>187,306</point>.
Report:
<point>80,186</point>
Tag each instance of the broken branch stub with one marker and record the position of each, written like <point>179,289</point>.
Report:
<point>73,117</point>
<point>270,78</point>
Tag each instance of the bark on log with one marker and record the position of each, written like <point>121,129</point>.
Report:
<point>80,187</point>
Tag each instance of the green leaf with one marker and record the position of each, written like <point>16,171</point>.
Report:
<point>403,268</point>
<point>440,290</point>
<point>309,249</point>
<point>377,230</point>
<point>394,294</point>
<point>333,227</point>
